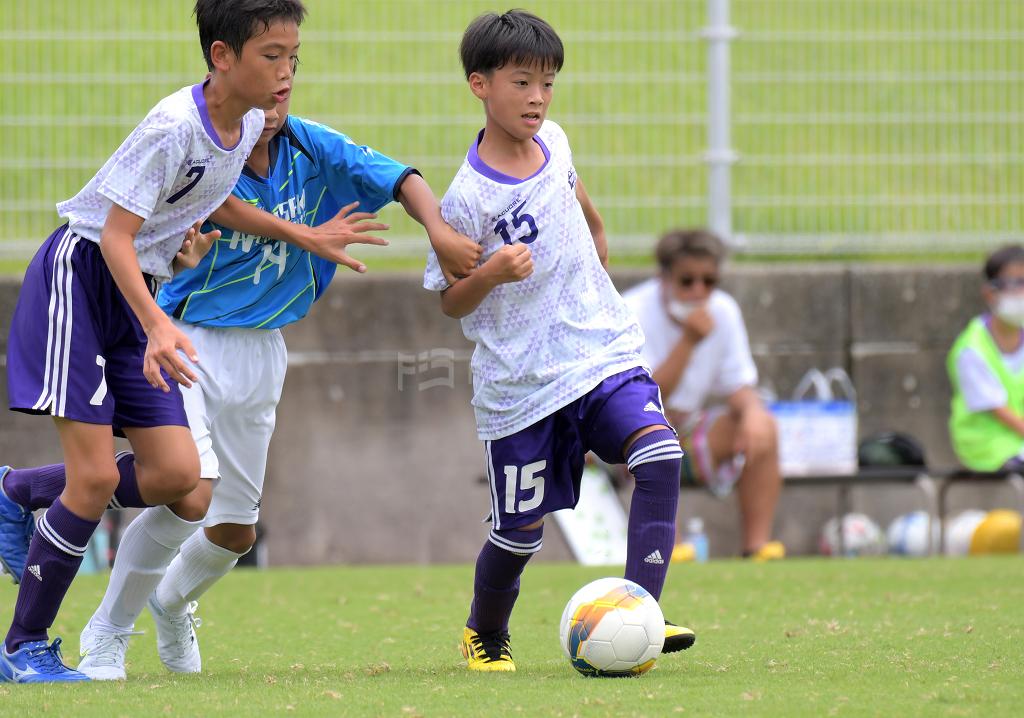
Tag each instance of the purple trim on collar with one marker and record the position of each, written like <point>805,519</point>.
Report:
<point>204,115</point>
<point>490,173</point>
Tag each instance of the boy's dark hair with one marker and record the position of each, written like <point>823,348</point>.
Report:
<point>689,243</point>
<point>999,259</point>
<point>492,41</point>
<point>234,22</point>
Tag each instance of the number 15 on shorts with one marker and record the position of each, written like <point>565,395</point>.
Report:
<point>523,480</point>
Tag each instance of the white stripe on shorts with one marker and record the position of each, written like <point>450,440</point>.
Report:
<point>495,509</point>
<point>54,311</point>
<point>54,393</point>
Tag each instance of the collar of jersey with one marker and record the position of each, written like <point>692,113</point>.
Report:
<point>204,115</point>
<point>490,173</point>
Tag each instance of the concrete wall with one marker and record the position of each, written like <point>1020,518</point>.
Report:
<point>375,457</point>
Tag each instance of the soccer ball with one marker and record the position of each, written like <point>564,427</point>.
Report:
<point>861,536</point>
<point>612,627</point>
<point>908,535</point>
<point>960,530</point>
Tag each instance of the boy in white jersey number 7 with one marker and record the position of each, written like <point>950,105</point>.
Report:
<point>89,345</point>
<point>232,306</point>
<point>557,369</point>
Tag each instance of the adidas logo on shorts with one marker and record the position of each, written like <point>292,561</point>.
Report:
<point>651,406</point>
<point>654,557</point>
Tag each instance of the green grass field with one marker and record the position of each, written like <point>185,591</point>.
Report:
<point>798,638</point>
<point>864,117</point>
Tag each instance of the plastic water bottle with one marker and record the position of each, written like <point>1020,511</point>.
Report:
<point>696,537</point>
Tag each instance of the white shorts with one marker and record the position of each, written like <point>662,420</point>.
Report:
<point>231,411</point>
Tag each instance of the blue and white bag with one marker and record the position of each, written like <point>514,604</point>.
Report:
<point>818,428</point>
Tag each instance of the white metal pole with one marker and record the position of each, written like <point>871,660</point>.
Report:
<point>720,155</point>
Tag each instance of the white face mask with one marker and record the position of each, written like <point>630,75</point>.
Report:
<point>680,310</point>
<point>1010,308</point>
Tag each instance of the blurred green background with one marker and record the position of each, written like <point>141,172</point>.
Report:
<point>862,126</point>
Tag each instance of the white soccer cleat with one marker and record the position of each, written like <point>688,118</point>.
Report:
<point>176,637</point>
<point>103,652</point>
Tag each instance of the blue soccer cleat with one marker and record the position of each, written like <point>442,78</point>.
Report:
<point>16,527</point>
<point>36,662</point>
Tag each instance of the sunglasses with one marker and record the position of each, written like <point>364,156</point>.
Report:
<point>1007,283</point>
<point>688,280</point>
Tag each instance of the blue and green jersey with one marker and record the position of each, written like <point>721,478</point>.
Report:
<point>258,282</point>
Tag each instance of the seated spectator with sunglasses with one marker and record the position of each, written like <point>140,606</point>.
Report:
<point>697,347</point>
<point>986,370</point>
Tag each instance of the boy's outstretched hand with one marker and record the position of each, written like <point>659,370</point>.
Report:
<point>330,239</point>
<point>511,263</point>
<point>194,247</point>
<point>457,254</point>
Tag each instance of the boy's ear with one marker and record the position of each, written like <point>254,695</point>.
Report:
<point>221,55</point>
<point>478,84</point>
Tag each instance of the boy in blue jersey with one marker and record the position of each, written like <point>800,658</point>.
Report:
<point>231,305</point>
<point>557,370</point>
<point>88,344</point>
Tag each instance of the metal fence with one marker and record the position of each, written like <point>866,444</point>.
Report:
<point>858,125</point>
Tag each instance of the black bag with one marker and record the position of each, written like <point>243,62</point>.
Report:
<point>890,448</point>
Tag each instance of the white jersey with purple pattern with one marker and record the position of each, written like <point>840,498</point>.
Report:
<point>172,171</point>
<point>546,341</point>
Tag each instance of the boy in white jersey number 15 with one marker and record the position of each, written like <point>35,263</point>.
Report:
<point>557,369</point>
<point>89,345</point>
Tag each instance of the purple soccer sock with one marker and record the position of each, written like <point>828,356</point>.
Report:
<point>126,495</point>
<point>496,584</point>
<point>38,487</point>
<point>54,556</point>
<point>655,460</point>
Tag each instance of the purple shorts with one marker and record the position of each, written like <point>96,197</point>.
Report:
<point>76,349</point>
<point>538,470</point>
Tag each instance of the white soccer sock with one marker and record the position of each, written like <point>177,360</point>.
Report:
<point>200,564</point>
<point>146,549</point>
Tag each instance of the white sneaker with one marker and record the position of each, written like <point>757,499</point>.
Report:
<point>103,652</point>
<point>176,637</point>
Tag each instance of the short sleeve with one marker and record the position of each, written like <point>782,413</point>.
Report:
<point>374,176</point>
<point>144,171</point>
<point>457,213</point>
<point>737,369</point>
<point>980,387</point>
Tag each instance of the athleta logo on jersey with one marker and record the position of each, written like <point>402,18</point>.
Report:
<point>572,178</point>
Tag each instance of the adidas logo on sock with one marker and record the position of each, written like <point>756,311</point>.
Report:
<point>34,570</point>
<point>654,557</point>
<point>651,406</point>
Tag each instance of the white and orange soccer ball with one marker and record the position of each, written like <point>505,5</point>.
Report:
<point>612,627</point>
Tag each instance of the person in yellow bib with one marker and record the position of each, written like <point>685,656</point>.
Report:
<point>986,370</point>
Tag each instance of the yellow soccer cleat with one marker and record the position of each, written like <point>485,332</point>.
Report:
<point>677,638</point>
<point>771,551</point>
<point>486,651</point>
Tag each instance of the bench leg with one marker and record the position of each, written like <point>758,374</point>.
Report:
<point>932,495</point>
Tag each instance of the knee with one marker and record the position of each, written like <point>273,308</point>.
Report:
<point>96,480</point>
<point>176,481</point>
<point>194,505</point>
<point>236,538</point>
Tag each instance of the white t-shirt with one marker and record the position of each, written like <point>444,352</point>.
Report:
<point>546,341</point>
<point>980,387</point>
<point>172,171</point>
<point>720,364</point>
